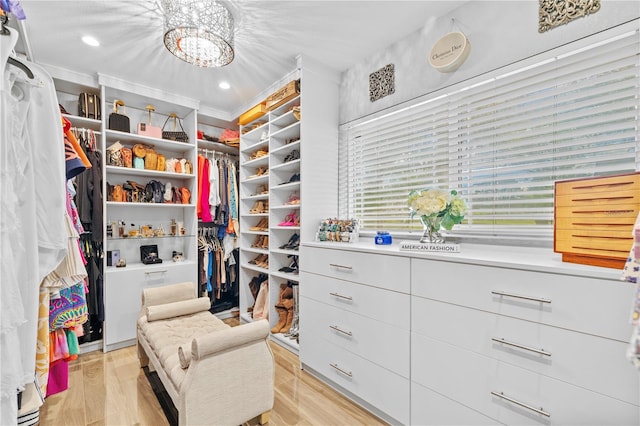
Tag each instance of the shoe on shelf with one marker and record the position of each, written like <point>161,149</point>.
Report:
<point>258,207</point>
<point>293,155</point>
<point>294,199</point>
<point>293,241</point>
<point>291,219</point>
<point>259,241</point>
<point>294,178</point>
<point>258,154</point>
<point>293,266</point>
<point>262,225</point>
<point>260,171</point>
<point>261,190</point>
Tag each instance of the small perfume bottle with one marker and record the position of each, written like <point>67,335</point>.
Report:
<point>173,228</point>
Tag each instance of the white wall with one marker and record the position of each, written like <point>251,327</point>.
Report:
<point>499,32</point>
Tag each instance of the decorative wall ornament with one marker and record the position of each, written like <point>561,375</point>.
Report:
<point>382,83</point>
<point>448,53</point>
<point>554,13</point>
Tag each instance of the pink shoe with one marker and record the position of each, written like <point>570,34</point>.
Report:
<point>290,220</point>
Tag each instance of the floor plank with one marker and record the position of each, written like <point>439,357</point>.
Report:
<point>111,389</point>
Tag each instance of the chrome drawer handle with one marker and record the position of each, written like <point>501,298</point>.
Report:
<point>164,271</point>
<point>336,328</point>
<point>522,404</point>
<point>519,296</point>
<point>346,373</point>
<point>341,296</point>
<point>335,265</point>
<point>526,348</point>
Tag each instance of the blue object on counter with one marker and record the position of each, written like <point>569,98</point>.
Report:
<point>383,237</point>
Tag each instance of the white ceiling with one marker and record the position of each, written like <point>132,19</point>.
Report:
<point>269,35</point>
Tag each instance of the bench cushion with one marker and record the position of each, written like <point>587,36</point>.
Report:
<point>166,335</point>
<point>175,309</point>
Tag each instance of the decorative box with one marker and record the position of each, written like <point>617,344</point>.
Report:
<point>594,219</point>
<point>282,95</point>
<point>252,114</point>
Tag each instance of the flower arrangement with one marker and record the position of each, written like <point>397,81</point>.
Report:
<point>436,208</point>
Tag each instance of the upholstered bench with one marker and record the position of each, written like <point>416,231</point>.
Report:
<point>214,374</point>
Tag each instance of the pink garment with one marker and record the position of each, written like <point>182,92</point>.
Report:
<point>203,199</point>
<point>58,378</point>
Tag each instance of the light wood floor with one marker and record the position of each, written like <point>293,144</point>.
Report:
<point>112,389</point>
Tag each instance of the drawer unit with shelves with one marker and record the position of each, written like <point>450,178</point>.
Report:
<point>150,221</point>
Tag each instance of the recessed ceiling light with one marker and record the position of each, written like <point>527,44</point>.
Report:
<point>224,85</point>
<point>91,41</point>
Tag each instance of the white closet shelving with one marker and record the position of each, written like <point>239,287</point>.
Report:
<point>301,161</point>
<point>123,285</point>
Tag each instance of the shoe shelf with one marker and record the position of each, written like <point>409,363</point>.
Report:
<point>262,143</point>
<point>285,207</point>
<point>83,122</point>
<point>280,137</point>
<point>285,134</point>
<point>255,268</point>
<point>286,148</point>
<point>284,121</point>
<point>256,162</point>
<point>291,166</point>
<point>116,170</point>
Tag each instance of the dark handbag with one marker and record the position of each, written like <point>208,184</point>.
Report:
<point>175,135</point>
<point>154,192</point>
<point>119,121</point>
<point>89,106</point>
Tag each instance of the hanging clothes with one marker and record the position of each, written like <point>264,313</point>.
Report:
<point>32,209</point>
<point>218,269</point>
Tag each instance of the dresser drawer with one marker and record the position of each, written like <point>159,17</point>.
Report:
<point>383,305</point>
<point>470,379</point>
<point>376,341</point>
<point>383,271</point>
<point>566,355</point>
<point>560,300</point>
<point>431,408</point>
<point>376,385</point>
<point>123,296</point>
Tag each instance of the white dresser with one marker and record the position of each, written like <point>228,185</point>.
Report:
<point>500,336</point>
<point>355,313</point>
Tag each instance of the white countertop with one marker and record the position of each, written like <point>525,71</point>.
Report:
<point>524,258</point>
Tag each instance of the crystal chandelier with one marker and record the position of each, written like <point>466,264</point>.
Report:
<point>199,32</point>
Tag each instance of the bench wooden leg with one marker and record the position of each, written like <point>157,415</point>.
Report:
<point>142,356</point>
<point>264,417</point>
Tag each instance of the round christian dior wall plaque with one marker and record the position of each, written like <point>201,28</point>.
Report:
<point>448,53</point>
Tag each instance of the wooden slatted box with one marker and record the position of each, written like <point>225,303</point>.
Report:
<point>594,219</point>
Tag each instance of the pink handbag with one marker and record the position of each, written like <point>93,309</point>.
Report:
<point>147,129</point>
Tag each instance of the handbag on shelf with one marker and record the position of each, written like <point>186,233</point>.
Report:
<point>147,129</point>
<point>119,121</point>
<point>162,163</point>
<point>175,135</point>
<point>127,157</point>
<point>89,106</point>
<point>114,155</point>
<point>151,160</point>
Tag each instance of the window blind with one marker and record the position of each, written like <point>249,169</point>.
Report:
<point>500,141</point>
